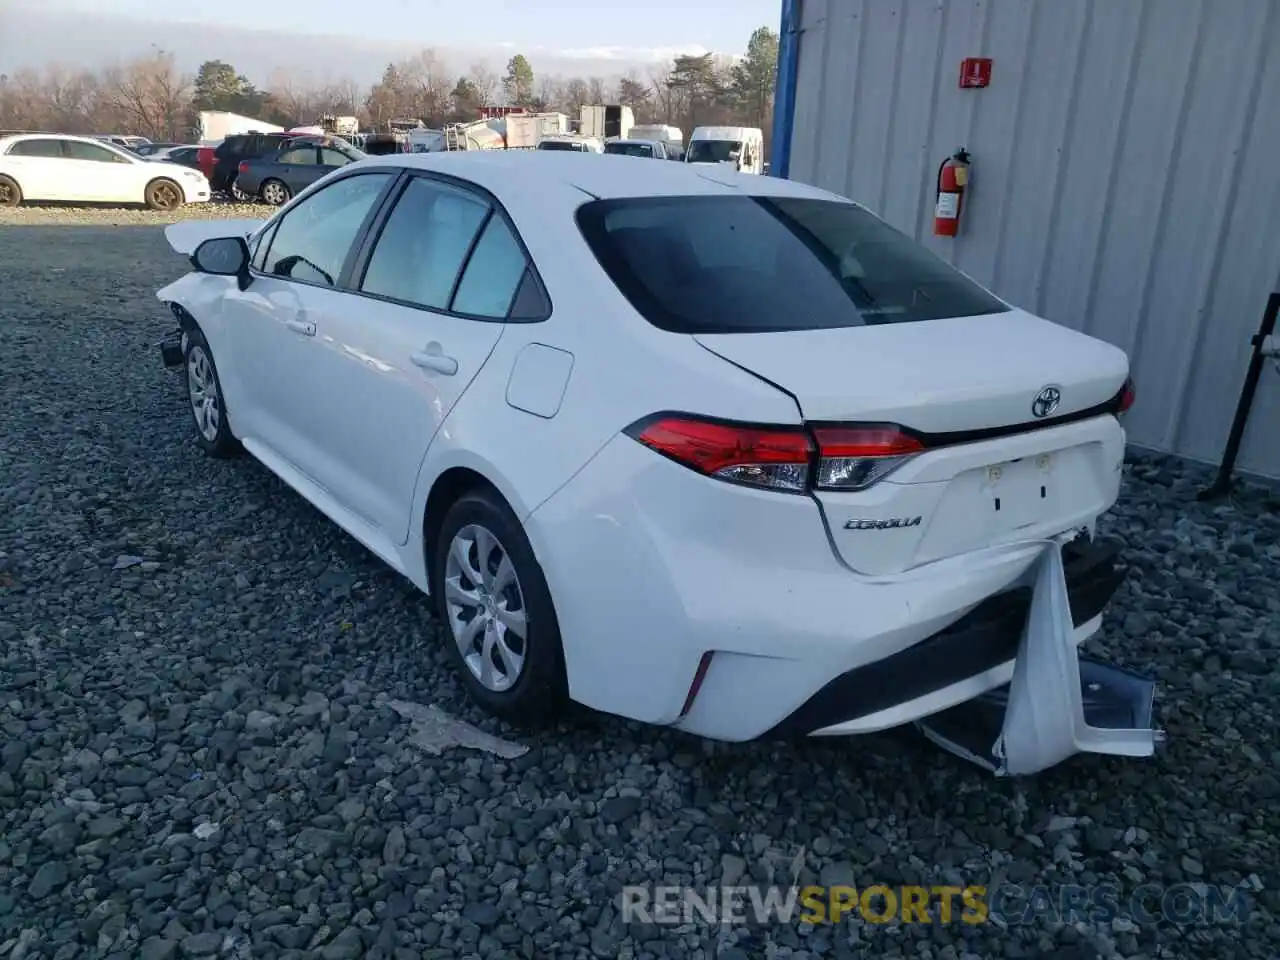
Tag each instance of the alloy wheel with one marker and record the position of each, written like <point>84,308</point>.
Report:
<point>273,193</point>
<point>202,386</point>
<point>165,196</point>
<point>486,608</point>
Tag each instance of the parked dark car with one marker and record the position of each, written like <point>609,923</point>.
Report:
<point>150,149</point>
<point>648,149</point>
<point>239,147</point>
<point>276,177</point>
<point>187,156</point>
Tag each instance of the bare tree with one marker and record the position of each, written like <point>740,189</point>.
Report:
<point>484,82</point>
<point>152,97</point>
<point>427,76</point>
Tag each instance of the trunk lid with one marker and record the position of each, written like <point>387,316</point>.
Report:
<point>994,470</point>
<point>934,376</point>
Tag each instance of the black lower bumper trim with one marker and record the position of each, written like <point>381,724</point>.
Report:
<point>986,637</point>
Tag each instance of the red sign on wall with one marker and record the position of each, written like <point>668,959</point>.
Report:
<point>975,72</point>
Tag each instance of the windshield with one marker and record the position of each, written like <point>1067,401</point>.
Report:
<point>713,151</point>
<point>740,264</point>
<point>629,149</point>
<point>561,145</point>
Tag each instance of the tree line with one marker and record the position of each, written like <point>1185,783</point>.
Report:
<point>151,97</point>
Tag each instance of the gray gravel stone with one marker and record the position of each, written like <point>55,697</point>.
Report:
<point>193,751</point>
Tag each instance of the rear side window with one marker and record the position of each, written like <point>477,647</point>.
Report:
<point>420,251</point>
<point>36,148</point>
<point>493,273</point>
<point>735,264</point>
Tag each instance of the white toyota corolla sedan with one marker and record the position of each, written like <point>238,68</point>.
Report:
<point>720,452</point>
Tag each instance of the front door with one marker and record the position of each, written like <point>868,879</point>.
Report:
<point>401,352</point>
<point>273,329</point>
<point>101,175</point>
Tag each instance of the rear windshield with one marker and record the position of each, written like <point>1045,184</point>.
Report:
<point>735,264</point>
<point>561,145</point>
<point>629,149</point>
<point>713,151</point>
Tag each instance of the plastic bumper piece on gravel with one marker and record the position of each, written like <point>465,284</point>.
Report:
<point>1058,703</point>
<point>171,352</point>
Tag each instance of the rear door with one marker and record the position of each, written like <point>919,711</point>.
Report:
<point>296,166</point>
<point>436,281</point>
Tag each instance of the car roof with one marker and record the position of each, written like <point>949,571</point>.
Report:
<point>602,176</point>
<point>97,141</point>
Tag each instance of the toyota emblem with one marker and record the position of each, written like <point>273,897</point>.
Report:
<point>1046,402</point>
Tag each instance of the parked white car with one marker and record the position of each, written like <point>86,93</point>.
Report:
<point>85,170</point>
<point>703,449</point>
<point>571,143</point>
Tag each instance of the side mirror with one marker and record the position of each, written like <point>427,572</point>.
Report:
<point>223,257</point>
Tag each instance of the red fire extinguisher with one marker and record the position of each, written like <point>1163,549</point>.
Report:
<point>953,175</point>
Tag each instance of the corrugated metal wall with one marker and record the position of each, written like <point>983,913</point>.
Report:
<point>1125,179</point>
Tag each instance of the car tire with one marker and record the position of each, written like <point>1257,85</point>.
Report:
<point>205,398</point>
<point>164,195</point>
<point>478,532</point>
<point>275,192</point>
<point>238,195</point>
<point>10,192</point>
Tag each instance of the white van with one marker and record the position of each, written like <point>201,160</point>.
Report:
<point>743,147</point>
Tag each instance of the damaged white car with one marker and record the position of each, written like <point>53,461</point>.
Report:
<point>718,452</point>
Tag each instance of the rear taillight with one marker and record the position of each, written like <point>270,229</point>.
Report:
<point>854,458</point>
<point>775,458</point>
<point>787,459</point>
<point>1125,398</point>
<point>244,166</point>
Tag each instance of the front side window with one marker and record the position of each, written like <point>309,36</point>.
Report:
<point>334,158</point>
<point>422,247</point>
<point>742,264</point>
<point>714,151</point>
<point>46,148</point>
<point>313,239</point>
<point>77,150</point>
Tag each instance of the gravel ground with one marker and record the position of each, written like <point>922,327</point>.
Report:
<point>197,759</point>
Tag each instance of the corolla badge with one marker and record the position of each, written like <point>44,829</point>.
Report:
<point>892,523</point>
<point>1046,402</point>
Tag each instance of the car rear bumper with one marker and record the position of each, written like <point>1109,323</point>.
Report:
<point>972,656</point>
<point>662,577</point>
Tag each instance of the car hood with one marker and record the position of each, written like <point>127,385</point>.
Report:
<point>184,237</point>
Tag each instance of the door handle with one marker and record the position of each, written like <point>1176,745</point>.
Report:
<point>433,358</point>
<point>302,327</point>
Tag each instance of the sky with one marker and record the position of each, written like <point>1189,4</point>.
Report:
<point>568,27</point>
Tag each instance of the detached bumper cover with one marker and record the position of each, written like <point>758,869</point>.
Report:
<point>171,349</point>
<point>986,637</point>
